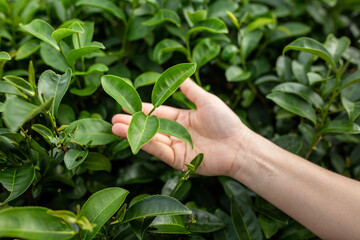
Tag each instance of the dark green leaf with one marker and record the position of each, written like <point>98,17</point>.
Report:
<point>311,46</point>
<point>100,207</point>
<point>169,225</point>
<point>27,49</point>
<point>139,226</point>
<point>122,92</point>
<point>43,131</point>
<point>17,111</point>
<point>75,54</point>
<point>205,51</point>
<point>16,181</point>
<point>236,74</point>
<point>154,206</point>
<point>164,15</point>
<point>302,91</point>
<point>8,88</point>
<point>245,221</point>
<point>351,79</point>
<point>42,30</point>
<point>163,50</point>
<point>21,84</point>
<point>52,85</point>
<point>287,30</point>
<point>269,226</point>
<point>90,129</point>
<point>33,223</point>
<point>341,126</point>
<point>212,25</point>
<point>197,16</point>
<point>62,33</point>
<point>74,157</point>
<point>269,210</point>
<point>336,47</point>
<point>175,129</point>
<point>97,67</point>
<point>249,42</point>
<point>97,162</point>
<point>169,81</point>
<point>141,130</point>
<point>352,108</point>
<point>293,104</point>
<point>146,79</point>
<point>52,57</point>
<point>106,5</point>
<point>205,222</point>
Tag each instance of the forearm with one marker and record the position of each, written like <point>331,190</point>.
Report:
<point>326,203</point>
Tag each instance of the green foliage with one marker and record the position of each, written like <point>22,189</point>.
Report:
<point>59,90</point>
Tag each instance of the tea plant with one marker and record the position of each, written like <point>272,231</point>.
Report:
<point>289,69</point>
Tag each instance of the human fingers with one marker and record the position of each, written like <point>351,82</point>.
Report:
<point>161,150</point>
<point>162,111</point>
<point>121,126</point>
<point>193,92</point>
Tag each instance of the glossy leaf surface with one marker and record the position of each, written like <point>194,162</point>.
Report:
<point>169,81</point>
<point>293,104</point>
<point>146,79</point>
<point>336,47</point>
<point>75,54</point>
<point>96,162</point>
<point>16,181</point>
<point>27,49</point>
<point>341,126</point>
<point>52,85</point>
<point>164,49</point>
<point>100,207</point>
<point>164,15</point>
<point>287,30</point>
<point>154,206</point>
<point>33,223</point>
<point>175,129</point>
<point>244,220</point>
<point>249,42</point>
<point>205,222</point>
<point>74,157</point>
<point>205,51</point>
<point>311,46</point>
<point>106,5</point>
<point>62,33</point>
<point>90,129</point>
<point>17,111</point>
<point>352,108</point>
<point>212,25</point>
<point>21,84</point>
<point>4,56</point>
<point>301,90</point>
<point>141,130</point>
<point>236,74</point>
<point>169,225</point>
<point>125,94</point>
<point>42,30</point>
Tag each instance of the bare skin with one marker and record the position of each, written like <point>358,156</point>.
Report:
<point>326,203</point>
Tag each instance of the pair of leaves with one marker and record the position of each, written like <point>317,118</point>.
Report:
<point>142,128</point>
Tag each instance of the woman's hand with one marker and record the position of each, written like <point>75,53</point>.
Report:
<point>215,130</point>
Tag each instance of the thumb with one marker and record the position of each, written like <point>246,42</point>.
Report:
<point>194,92</point>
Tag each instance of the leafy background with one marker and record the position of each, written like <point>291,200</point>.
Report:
<point>305,100</point>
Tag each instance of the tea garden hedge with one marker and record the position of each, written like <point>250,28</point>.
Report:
<point>288,68</point>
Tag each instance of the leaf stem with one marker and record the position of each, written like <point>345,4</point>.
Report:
<point>152,110</point>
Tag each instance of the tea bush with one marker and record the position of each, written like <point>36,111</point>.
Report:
<point>289,69</point>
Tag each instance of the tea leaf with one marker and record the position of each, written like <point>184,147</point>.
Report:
<point>351,79</point>
<point>302,91</point>
<point>52,85</point>
<point>96,162</point>
<point>258,23</point>
<point>16,181</point>
<point>141,130</point>
<point>146,79</point>
<point>205,51</point>
<point>17,111</point>
<point>205,222</point>
<point>154,206</point>
<point>311,46</point>
<point>244,221</point>
<point>164,15</point>
<point>125,94</point>
<point>197,16</point>
<point>341,126</point>
<point>212,25</point>
<point>43,131</point>
<point>4,56</point>
<point>249,42</point>
<point>27,49</point>
<point>97,67</point>
<point>75,54</point>
<point>169,225</point>
<point>33,223</point>
<point>336,47</point>
<point>163,50</point>
<point>21,84</point>
<point>53,58</point>
<point>287,30</point>
<point>236,74</point>
<point>62,33</point>
<point>169,81</point>
<point>74,158</point>
<point>100,207</point>
<point>293,104</point>
<point>175,129</point>
<point>106,5</point>
<point>352,108</point>
<point>8,88</point>
<point>42,30</point>
<point>96,131</point>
